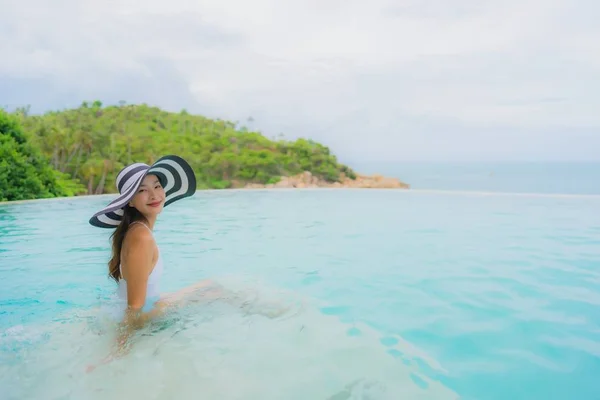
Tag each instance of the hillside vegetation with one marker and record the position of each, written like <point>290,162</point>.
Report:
<point>87,146</point>
<point>24,172</point>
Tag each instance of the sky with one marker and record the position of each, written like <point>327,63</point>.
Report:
<point>376,80</point>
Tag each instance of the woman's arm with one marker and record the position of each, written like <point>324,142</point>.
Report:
<point>137,261</point>
<point>133,320</point>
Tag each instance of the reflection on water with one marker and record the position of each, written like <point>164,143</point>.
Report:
<point>9,225</point>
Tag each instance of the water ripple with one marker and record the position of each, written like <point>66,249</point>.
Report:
<point>489,296</point>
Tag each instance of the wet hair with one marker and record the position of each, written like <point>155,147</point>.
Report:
<point>130,215</point>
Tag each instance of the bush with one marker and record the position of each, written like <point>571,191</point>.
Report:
<point>24,173</point>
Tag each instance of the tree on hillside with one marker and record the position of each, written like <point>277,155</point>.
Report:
<point>24,172</point>
<point>93,142</point>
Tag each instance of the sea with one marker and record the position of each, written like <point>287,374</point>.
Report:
<point>574,178</point>
<point>479,282</point>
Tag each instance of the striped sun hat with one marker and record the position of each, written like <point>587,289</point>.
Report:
<point>175,175</point>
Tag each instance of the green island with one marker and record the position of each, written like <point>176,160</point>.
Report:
<point>79,152</point>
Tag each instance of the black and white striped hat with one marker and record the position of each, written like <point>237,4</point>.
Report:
<point>175,175</point>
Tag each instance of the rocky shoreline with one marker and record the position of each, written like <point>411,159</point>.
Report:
<point>306,180</point>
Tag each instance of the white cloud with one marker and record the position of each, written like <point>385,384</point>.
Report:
<point>381,77</point>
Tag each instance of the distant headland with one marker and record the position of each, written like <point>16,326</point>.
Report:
<point>307,180</point>
<point>79,151</point>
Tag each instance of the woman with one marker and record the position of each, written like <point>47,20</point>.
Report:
<point>136,263</point>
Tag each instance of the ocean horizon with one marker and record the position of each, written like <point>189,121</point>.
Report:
<point>544,177</point>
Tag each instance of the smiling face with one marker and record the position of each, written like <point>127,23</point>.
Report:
<point>150,197</point>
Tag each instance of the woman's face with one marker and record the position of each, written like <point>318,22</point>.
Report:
<point>150,197</point>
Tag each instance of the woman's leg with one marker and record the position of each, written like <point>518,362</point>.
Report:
<point>208,291</point>
<point>189,293</point>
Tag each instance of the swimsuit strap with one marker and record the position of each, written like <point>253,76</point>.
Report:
<point>140,222</point>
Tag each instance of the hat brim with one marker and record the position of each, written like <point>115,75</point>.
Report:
<point>176,176</point>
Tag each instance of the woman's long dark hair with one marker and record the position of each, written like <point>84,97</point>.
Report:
<point>130,214</point>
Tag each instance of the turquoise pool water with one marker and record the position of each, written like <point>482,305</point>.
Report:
<point>391,294</point>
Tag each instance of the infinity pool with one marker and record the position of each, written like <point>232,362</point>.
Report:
<point>348,294</point>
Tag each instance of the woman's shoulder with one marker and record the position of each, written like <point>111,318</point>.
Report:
<point>139,236</point>
<point>138,253</point>
<point>139,248</point>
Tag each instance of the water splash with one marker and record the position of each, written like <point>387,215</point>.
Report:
<point>270,345</point>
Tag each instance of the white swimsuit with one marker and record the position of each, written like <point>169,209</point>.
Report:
<point>153,288</point>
